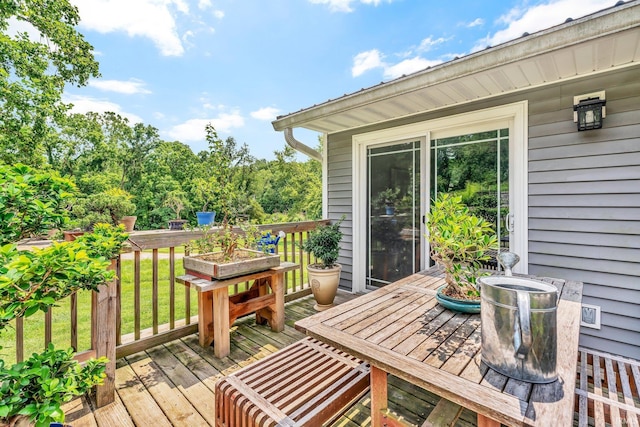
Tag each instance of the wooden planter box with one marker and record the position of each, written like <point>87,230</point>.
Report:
<point>251,261</point>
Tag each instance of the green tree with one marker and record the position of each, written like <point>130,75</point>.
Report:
<point>290,187</point>
<point>229,169</point>
<point>34,72</point>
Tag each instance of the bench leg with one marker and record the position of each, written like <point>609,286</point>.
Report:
<point>205,318</point>
<point>221,344</point>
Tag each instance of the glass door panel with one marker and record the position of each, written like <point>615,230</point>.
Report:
<point>476,167</point>
<point>393,220</point>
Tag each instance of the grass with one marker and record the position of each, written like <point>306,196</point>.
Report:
<point>61,324</point>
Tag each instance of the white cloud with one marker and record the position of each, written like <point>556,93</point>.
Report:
<point>218,14</point>
<point>194,129</point>
<point>144,18</point>
<point>539,17</point>
<point>204,4</point>
<point>408,66</point>
<point>266,113</point>
<point>130,87</point>
<point>365,61</point>
<point>345,5</point>
<point>475,23</point>
<point>85,104</point>
<point>372,59</point>
<point>429,42</point>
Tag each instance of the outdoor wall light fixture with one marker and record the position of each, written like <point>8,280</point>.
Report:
<point>589,110</point>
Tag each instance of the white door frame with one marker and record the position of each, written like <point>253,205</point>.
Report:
<point>513,116</point>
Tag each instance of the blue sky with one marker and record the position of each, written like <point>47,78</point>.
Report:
<point>180,64</point>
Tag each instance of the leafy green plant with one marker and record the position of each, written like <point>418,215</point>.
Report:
<point>31,281</point>
<point>459,242</point>
<point>105,207</point>
<point>227,239</point>
<point>39,386</point>
<point>205,192</point>
<point>324,243</point>
<point>31,202</point>
<point>176,200</point>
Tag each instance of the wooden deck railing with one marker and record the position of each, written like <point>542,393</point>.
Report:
<point>145,306</point>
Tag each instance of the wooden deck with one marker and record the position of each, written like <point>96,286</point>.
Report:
<point>173,384</point>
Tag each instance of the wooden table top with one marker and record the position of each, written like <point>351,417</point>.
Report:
<point>402,330</point>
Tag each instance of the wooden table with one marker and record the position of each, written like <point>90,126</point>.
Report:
<point>400,329</point>
<point>217,310</point>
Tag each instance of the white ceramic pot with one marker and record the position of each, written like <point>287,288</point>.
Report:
<point>324,285</point>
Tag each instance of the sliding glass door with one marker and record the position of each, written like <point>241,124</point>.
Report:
<point>476,167</point>
<point>393,212</point>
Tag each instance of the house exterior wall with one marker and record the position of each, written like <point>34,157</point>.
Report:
<point>583,197</point>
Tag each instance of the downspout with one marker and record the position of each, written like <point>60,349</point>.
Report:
<point>299,146</point>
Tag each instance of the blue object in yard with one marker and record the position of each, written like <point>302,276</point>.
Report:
<point>270,242</point>
<point>206,218</point>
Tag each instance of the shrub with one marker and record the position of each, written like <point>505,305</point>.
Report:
<point>324,243</point>
<point>459,242</point>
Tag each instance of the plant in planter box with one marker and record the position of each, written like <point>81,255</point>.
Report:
<point>225,252</point>
<point>32,281</point>
<point>324,277</point>
<point>459,242</point>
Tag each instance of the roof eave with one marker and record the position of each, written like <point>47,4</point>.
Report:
<point>599,24</point>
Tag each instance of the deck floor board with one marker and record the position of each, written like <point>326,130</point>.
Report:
<point>172,384</point>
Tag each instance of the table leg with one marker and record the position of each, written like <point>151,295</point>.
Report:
<point>378,395</point>
<point>277,309</point>
<point>221,343</point>
<point>205,318</point>
<point>484,421</point>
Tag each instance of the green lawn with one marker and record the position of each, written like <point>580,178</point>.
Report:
<point>34,325</point>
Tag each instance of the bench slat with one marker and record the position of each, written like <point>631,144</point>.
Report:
<point>305,384</point>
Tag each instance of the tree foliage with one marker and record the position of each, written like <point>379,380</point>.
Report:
<point>40,52</point>
<point>31,202</point>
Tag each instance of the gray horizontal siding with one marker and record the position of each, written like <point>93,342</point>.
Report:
<point>598,187</point>
<point>339,188</point>
<point>584,203</point>
<point>585,238</point>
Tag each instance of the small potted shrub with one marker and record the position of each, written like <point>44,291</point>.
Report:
<point>324,277</point>
<point>459,242</point>
<point>111,206</point>
<point>176,201</point>
<point>205,191</point>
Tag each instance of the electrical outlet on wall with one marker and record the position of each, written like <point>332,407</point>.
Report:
<point>590,316</point>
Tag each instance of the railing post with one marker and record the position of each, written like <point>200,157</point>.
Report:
<point>103,339</point>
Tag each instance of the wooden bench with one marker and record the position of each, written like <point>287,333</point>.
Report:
<point>305,384</point>
<point>607,390</point>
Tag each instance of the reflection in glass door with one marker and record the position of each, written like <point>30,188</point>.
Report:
<point>475,166</point>
<point>393,205</point>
